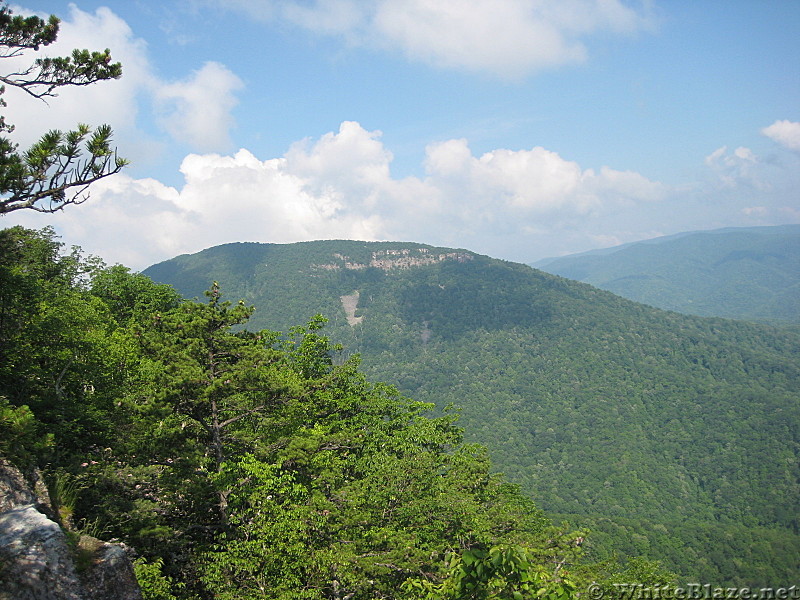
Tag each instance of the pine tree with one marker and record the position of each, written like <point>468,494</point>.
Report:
<point>56,170</point>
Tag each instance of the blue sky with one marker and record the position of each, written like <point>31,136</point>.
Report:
<point>516,128</point>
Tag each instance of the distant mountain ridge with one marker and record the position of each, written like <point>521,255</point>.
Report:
<point>749,273</point>
<point>670,436</point>
<point>290,282</point>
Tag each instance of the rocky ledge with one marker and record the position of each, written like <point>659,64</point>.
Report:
<point>37,559</point>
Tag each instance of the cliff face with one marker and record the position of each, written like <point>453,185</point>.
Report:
<point>387,260</point>
<point>37,562</point>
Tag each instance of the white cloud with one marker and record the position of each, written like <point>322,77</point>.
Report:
<point>755,211</point>
<point>198,109</point>
<point>118,102</point>
<point>508,38</point>
<point>738,168</point>
<point>242,196</point>
<point>534,181</point>
<point>625,186</point>
<point>328,16</point>
<point>790,213</point>
<point>341,186</point>
<point>111,102</point>
<point>350,158</point>
<point>786,133</point>
<point>606,241</point>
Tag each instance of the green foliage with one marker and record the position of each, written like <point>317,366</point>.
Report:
<point>63,490</point>
<point>20,441</point>
<point>30,32</point>
<point>57,169</point>
<point>131,296</point>
<point>345,518</point>
<point>740,273</point>
<point>499,573</point>
<point>665,434</point>
<point>153,583</point>
<point>242,566</point>
<point>58,353</point>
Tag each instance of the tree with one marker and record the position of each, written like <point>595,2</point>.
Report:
<point>62,354</point>
<point>356,490</point>
<point>211,379</point>
<point>500,573</point>
<point>57,169</point>
<point>132,297</point>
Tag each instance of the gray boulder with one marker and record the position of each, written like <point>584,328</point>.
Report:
<point>38,562</point>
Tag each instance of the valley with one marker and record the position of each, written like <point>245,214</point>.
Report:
<point>670,436</point>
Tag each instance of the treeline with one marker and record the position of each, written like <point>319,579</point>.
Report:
<point>242,464</point>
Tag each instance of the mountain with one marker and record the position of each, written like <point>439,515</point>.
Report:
<point>670,436</point>
<point>750,273</point>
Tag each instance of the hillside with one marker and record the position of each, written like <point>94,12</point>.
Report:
<point>748,273</point>
<point>237,465</point>
<point>671,436</point>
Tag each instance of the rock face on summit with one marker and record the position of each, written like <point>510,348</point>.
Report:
<point>38,563</point>
<point>399,258</point>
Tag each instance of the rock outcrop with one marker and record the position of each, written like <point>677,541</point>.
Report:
<point>38,562</point>
<point>387,260</point>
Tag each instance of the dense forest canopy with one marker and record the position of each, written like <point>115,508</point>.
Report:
<point>750,273</point>
<point>669,436</point>
<point>250,464</point>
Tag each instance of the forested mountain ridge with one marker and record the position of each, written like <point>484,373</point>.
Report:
<point>675,437</point>
<point>325,270</point>
<point>240,464</point>
<point>750,273</point>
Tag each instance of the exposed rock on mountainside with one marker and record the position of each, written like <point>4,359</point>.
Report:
<point>37,562</point>
<point>350,304</point>
<point>403,258</point>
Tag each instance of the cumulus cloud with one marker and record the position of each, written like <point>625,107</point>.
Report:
<point>118,102</point>
<point>352,158</point>
<point>786,133</point>
<point>341,186</point>
<point>508,38</point>
<point>198,109</point>
<point>243,196</point>
<point>738,168</point>
<point>105,102</point>
<point>533,181</point>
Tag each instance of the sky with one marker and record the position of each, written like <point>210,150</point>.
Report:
<point>521,129</point>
